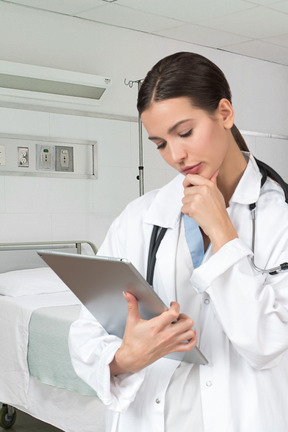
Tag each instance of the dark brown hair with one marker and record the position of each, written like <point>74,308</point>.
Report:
<point>191,75</point>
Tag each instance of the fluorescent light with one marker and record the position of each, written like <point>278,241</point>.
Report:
<point>48,87</point>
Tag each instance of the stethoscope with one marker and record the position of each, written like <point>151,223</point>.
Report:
<point>159,232</point>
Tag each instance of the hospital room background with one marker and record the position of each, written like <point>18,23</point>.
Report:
<point>35,208</point>
<point>43,205</point>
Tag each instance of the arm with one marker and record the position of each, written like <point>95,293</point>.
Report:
<point>252,308</point>
<point>116,368</point>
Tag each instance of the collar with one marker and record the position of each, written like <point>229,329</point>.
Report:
<point>249,186</point>
<point>165,209</point>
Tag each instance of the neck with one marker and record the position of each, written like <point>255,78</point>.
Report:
<point>231,171</point>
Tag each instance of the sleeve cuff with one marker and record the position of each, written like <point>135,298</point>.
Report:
<point>217,264</point>
<point>119,391</point>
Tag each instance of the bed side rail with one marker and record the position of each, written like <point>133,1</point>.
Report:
<point>18,256</point>
<point>48,245</point>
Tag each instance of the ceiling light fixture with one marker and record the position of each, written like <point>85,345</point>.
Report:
<point>50,89</point>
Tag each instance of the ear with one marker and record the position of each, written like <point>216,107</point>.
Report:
<point>226,113</point>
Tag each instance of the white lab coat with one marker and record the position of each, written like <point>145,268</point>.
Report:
<point>243,325</point>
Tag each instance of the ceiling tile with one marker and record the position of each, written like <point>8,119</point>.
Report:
<point>129,18</point>
<point>261,50</point>
<point>69,7</point>
<point>232,25</point>
<point>264,2</point>
<point>202,36</point>
<point>188,10</point>
<point>278,40</point>
<point>281,6</point>
<point>258,22</point>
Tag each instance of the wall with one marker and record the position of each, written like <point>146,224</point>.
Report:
<point>48,208</point>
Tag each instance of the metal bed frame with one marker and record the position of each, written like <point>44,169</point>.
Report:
<point>48,245</point>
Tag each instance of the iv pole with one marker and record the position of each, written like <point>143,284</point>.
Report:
<point>140,176</point>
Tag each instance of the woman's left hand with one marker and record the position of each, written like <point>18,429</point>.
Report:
<point>204,202</point>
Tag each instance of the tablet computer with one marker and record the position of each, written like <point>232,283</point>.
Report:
<point>99,282</point>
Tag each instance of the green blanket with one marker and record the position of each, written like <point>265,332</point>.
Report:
<point>48,354</point>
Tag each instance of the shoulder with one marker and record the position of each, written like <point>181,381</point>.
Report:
<point>272,194</point>
<point>272,210</point>
<point>130,232</point>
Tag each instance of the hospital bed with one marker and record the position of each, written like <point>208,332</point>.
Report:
<point>36,311</point>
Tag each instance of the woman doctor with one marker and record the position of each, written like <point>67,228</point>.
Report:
<point>235,314</point>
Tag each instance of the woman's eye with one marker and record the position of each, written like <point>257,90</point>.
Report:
<point>186,134</point>
<point>161,146</point>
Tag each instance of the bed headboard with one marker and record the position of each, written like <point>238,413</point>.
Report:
<point>17,256</point>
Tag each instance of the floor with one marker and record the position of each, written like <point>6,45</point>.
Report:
<point>25,423</point>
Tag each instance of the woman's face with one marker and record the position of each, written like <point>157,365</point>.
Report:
<point>188,138</point>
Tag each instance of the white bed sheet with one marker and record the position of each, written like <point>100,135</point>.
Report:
<point>40,280</point>
<point>66,410</point>
<point>15,313</point>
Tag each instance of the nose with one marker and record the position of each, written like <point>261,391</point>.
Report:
<point>177,151</point>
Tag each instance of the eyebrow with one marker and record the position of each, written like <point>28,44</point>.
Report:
<point>172,129</point>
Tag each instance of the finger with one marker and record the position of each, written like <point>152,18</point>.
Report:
<point>183,325</point>
<point>214,177</point>
<point>132,304</point>
<point>175,306</point>
<point>170,315</point>
<point>194,180</point>
<point>186,345</point>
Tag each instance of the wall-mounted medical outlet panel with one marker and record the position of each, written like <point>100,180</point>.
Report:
<point>2,155</point>
<point>23,157</point>
<point>48,157</point>
<point>64,158</point>
<point>45,157</point>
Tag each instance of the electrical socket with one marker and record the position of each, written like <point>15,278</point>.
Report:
<point>45,157</point>
<point>64,159</point>
<point>2,155</point>
<point>23,157</point>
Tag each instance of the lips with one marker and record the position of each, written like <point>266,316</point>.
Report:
<point>192,169</point>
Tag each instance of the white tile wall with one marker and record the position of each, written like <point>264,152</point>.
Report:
<point>15,227</point>
<point>74,227</point>
<point>68,126</point>
<point>273,152</point>
<point>115,187</point>
<point>45,195</point>
<point>2,195</point>
<point>111,134</point>
<point>22,122</point>
<point>97,227</point>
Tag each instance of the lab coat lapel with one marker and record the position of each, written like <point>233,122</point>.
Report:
<point>165,211</point>
<point>165,275</point>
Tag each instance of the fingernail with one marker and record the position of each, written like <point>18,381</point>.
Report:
<point>125,295</point>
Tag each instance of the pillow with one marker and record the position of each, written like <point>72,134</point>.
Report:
<point>31,281</point>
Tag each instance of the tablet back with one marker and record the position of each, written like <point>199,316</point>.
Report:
<point>99,282</point>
